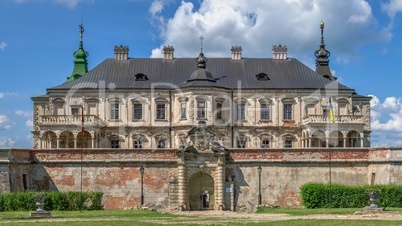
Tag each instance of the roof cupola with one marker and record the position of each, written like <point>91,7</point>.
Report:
<point>80,62</point>
<point>322,55</point>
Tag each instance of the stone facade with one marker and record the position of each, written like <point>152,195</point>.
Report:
<point>200,134</point>
<point>174,179</point>
<point>261,123</point>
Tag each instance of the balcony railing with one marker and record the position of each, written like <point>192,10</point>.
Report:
<point>69,120</point>
<point>338,119</point>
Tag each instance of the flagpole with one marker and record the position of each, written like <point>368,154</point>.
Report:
<point>82,147</point>
<point>331,120</point>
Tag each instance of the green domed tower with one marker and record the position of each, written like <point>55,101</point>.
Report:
<point>80,62</point>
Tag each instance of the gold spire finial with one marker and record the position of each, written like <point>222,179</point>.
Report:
<point>322,24</point>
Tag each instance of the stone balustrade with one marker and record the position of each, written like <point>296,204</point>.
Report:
<point>68,119</point>
<point>338,119</point>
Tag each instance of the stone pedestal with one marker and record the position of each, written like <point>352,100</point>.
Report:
<point>39,214</point>
<point>370,209</point>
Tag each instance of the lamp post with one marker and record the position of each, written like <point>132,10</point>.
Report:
<point>142,184</point>
<point>259,169</point>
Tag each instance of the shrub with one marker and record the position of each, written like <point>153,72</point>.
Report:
<point>23,201</point>
<point>318,195</point>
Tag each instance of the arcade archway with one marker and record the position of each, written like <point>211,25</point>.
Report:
<point>201,192</point>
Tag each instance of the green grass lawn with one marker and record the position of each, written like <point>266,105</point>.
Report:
<point>145,218</point>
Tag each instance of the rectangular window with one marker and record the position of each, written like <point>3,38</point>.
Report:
<point>265,143</point>
<point>114,111</point>
<point>92,109</point>
<point>265,111</point>
<point>325,113</point>
<point>241,111</point>
<point>183,110</point>
<point>219,111</point>
<point>287,111</point>
<point>201,109</point>
<point>288,144</point>
<point>161,144</point>
<point>137,111</point>
<point>160,111</point>
<point>75,111</point>
<point>114,144</point>
<point>137,144</point>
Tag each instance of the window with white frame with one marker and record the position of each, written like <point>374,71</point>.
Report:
<point>241,142</point>
<point>265,143</point>
<point>114,111</point>
<point>201,106</point>
<point>265,111</point>
<point>114,144</point>
<point>219,110</point>
<point>287,143</point>
<point>183,110</point>
<point>161,143</point>
<point>138,143</point>
<point>241,111</point>
<point>137,111</point>
<point>287,111</point>
<point>75,111</point>
<point>161,111</point>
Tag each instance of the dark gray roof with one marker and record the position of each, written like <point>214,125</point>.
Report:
<point>227,73</point>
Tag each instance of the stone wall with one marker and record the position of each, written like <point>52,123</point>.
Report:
<point>116,173</point>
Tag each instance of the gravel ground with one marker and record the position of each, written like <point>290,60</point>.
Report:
<point>279,217</point>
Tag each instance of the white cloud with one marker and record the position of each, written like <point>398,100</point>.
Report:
<point>156,7</point>
<point>256,25</point>
<point>2,95</point>
<point>4,122</point>
<point>25,114</point>
<point>3,45</point>
<point>6,142</point>
<point>29,123</point>
<point>386,121</point>
<point>392,7</point>
<point>73,3</point>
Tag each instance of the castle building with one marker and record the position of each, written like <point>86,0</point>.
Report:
<point>198,133</point>
<point>249,103</point>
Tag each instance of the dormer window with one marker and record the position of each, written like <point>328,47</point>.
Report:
<point>141,77</point>
<point>262,76</point>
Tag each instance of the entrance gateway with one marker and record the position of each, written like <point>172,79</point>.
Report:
<point>200,180</point>
<point>201,192</point>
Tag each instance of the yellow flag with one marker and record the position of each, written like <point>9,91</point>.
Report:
<point>331,112</point>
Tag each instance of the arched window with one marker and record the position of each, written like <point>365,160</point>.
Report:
<point>265,143</point>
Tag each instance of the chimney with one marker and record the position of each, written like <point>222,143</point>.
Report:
<point>236,52</point>
<point>168,52</point>
<point>280,52</point>
<point>121,52</point>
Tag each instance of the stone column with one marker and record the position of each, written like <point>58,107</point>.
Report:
<point>220,185</point>
<point>181,183</point>
<point>75,142</point>
<point>58,142</point>
<point>93,142</point>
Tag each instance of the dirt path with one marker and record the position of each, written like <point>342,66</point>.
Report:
<point>279,217</point>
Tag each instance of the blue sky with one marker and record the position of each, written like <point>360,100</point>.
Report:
<point>38,38</point>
